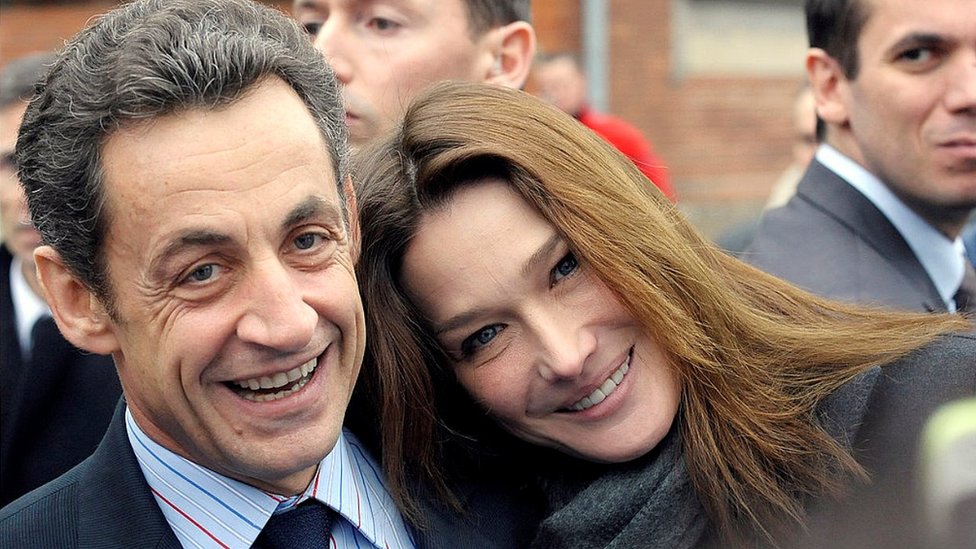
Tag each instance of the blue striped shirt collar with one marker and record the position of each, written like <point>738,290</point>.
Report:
<point>206,509</point>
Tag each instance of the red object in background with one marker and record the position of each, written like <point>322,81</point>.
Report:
<point>630,141</point>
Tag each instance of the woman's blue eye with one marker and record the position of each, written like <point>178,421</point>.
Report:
<point>480,338</point>
<point>566,266</point>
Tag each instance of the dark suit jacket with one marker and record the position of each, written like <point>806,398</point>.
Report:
<point>54,408</point>
<point>106,502</point>
<point>831,240</point>
<point>882,415</point>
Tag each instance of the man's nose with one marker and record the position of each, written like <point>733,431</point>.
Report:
<point>961,87</point>
<point>276,314</point>
<point>333,40</point>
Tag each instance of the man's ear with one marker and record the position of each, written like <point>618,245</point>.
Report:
<point>352,212</point>
<point>81,317</point>
<point>830,87</point>
<point>513,46</point>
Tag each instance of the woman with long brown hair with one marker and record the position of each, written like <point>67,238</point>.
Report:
<point>515,267</point>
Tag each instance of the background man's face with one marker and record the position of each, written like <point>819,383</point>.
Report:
<point>386,51</point>
<point>561,83</point>
<point>912,107</point>
<point>19,235</point>
<point>239,328</point>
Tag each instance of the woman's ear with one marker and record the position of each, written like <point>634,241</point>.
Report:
<point>81,317</point>
<point>514,48</point>
<point>352,213</point>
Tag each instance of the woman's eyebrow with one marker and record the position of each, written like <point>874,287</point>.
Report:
<point>541,255</point>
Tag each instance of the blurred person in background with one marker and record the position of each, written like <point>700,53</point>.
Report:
<point>559,80</point>
<point>804,124</point>
<point>384,53</point>
<point>55,400</point>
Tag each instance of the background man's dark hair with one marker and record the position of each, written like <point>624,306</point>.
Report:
<point>487,14</point>
<point>834,26</point>
<point>145,60</point>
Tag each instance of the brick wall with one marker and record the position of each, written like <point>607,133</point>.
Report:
<point>724,138</point>
<point>27,29</point>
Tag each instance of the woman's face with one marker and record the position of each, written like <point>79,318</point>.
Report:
<point>536,337</point>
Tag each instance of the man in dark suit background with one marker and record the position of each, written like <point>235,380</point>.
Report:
<point>878,214</point>
<point>55,400</point>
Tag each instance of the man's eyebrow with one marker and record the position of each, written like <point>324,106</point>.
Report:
<point>918,39</point>
<point>191,238</point>
<point>310,208</point>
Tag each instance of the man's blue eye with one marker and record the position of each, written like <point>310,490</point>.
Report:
<point>306,241</point>
<point>382,24</point>
<point>201,274</point>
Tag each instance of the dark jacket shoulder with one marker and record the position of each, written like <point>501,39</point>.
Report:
<point>832,241</point>
<point>102,502</point>
<point>881,416</point>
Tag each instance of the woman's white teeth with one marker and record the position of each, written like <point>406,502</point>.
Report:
<point>298,377</point>
<point>605,390</point>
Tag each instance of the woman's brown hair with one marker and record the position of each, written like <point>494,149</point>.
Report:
<point>755,355</point>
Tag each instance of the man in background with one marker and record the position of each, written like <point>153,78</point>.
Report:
<point>877,217</point>
<point>805,141</point>
<point>385,53</point>
<point>559,80</point>
<point>55,400</point>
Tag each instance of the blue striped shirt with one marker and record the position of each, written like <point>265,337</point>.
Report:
<point>208,510</point>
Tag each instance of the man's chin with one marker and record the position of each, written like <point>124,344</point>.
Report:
<point>363,131</point>
<point>359,137</point>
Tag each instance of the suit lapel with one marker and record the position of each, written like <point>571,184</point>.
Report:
<point>116,507</point>
<point>836,198</point>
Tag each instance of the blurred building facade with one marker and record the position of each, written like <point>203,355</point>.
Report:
<point>711,82</point>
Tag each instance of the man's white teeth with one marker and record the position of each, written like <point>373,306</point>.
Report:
<point>298,377</point>
<point>605,390</point>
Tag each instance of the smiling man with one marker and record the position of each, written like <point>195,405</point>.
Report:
<point>385,52</point>
<point>185,165</point>
<point>878,215</point>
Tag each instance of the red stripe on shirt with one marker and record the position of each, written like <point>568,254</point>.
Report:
<point>187,517</point>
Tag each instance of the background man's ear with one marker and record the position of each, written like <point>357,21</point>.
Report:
<point>830,87</point>
<point>514,48</point>
<point>80,316</point>
<point>352,211</point>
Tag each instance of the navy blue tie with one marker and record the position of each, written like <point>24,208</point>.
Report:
<point>966,296</point>
<point>304,527</point>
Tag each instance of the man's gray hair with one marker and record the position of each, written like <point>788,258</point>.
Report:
<point>142,61</point>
